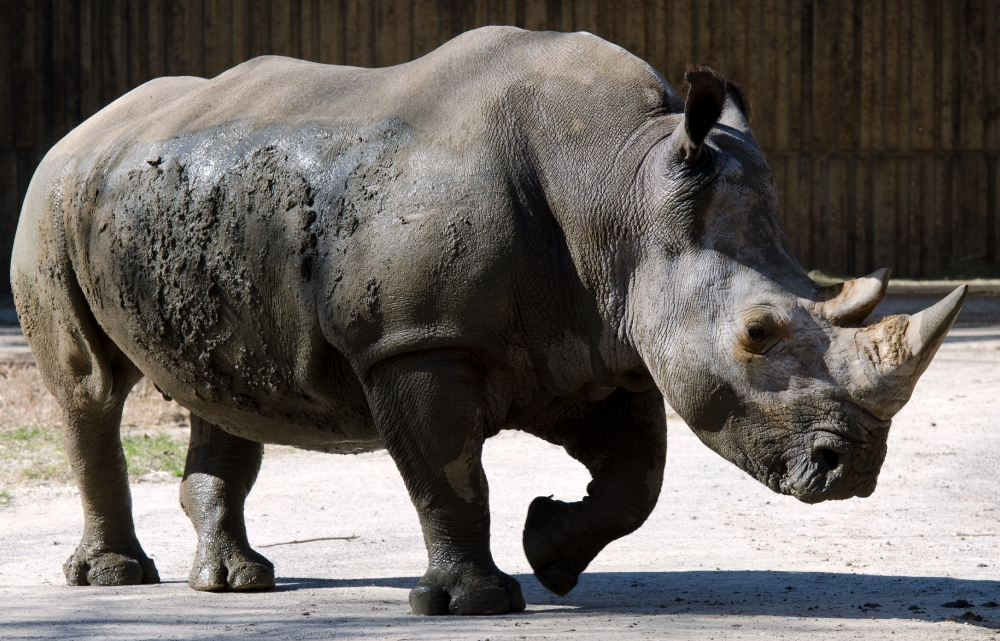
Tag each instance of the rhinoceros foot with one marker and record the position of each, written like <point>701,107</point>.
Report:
<point>87,567</point>
<point>217,568</point>
<point>469,591</point>
<point>553,547</point>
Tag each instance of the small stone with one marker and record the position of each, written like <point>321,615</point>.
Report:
<point>960,603</point>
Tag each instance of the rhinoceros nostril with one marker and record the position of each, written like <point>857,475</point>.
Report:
<point>830,458</point>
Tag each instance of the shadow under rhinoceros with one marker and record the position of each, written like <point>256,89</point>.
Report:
<point>745,592</point>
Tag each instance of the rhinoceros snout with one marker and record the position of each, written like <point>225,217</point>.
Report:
<point>832,468</point>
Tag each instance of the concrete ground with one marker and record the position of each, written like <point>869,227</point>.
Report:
<point>720,558</point>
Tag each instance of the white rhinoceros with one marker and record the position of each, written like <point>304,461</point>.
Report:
<point>520,230</point>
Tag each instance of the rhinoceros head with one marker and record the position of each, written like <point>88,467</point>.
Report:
<point>772,371</point>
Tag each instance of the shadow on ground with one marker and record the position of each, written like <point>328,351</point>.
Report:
<point>748,593</point>
<point>604,603</point>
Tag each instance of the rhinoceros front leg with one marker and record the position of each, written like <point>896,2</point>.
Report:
<point>430,412</point>
<point>219,472</point>
<point>623,442</point>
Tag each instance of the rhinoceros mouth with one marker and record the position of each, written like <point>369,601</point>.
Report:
<point>818,473</point>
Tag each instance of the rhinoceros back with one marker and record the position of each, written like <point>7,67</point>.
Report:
<point>228,234</point>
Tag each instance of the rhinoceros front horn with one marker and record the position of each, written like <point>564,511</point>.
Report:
<point>851,302</point>
<point>894,353</point>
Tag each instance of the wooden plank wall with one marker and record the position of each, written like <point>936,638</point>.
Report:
<point>880,118</point>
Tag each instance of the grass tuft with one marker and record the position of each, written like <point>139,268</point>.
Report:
<point>149,454</point>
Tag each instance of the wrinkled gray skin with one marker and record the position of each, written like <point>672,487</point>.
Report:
<point>520,230</point>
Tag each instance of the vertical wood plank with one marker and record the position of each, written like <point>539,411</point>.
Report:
<point>804,191</point>
<point>155,38</point>
<point>800,93</point>
<point>395,29</point>
<point>426,26</point>
<point>360,33</point>
<point>902,213</point>
<point>884,212</point>
<point>737,15</point>
<point>115,64</point>
<point>761,92</point>
<point>895,79</point>
<point>218,28</point>
<point>779,169</point>
<point>923,219</point>
<point>824,58</point>
<point>6,85</point>
<point>184,41</point>
<point>331,33</point>
<point>872,77</point>
<point>938,223</point>
<point>309,30</point>
<point>585,15</point>
<point>797,214</point>
<point>846,76</point>
<point>89,95</point>
<point>657,38</point>
<point>779,62</point>
<point>138,72</point>
<point>680,41</point>
<point>922,121</point>
<point>971,69</point>
<point>993,211</point>
<point>969,225</point>
<point>66,57</point>
<point>241,37</point>
<point>260,32</point>
<point>991,78</point>
<point>25,108</point>
<point>837,203</point>
<point>818,213</point>
<point>281,28</point>
<point>535,14</point>
<point>632,33</point>
<point>705,14</point>
<point>947,94</point>
<point>863,215</point>
<point>9,203</point>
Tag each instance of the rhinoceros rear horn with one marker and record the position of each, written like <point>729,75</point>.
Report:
<point>851,302</point>
<point>705,101</point>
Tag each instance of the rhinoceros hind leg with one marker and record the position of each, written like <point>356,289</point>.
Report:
<point>622,441</point>
<point>90,378</point>
<point>430,412</point>
<point>109,553</point>
<point>220,471</point>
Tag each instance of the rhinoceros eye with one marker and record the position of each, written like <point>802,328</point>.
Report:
<point>760,332</point>
<point>757,333</point>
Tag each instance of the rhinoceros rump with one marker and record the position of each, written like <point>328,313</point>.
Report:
<point>517,231</point>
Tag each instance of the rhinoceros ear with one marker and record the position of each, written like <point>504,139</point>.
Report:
<point>705,100</point>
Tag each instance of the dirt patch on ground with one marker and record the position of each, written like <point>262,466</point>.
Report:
<point>721,557</point>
